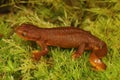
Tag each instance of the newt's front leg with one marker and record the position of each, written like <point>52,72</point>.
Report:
<point>44,51</point>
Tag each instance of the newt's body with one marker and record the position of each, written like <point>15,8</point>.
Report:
<point>66,38</point>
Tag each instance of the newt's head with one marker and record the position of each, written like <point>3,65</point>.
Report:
<point>27,31</point>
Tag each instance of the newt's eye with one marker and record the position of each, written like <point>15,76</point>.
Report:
<point>24,34</point>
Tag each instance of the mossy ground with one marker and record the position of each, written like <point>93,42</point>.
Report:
<point>101,18</point>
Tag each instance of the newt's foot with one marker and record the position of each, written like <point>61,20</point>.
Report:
<point>75,56</point>
<point>36,55</point>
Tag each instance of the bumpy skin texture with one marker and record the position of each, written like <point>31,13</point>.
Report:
<point>65,37</point>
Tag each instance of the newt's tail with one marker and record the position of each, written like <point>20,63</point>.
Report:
<point>95,57</point>
<point>102,52</point>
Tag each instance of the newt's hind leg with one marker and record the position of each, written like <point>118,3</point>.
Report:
<point>79,52</point>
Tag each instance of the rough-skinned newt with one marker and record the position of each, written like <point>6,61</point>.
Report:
<point>65,37</point>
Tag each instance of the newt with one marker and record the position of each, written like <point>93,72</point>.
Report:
<point>65,37</point>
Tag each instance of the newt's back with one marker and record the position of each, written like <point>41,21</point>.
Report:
<point>62,36</point>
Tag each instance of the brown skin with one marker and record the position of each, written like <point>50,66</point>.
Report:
<point>65,37</point>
